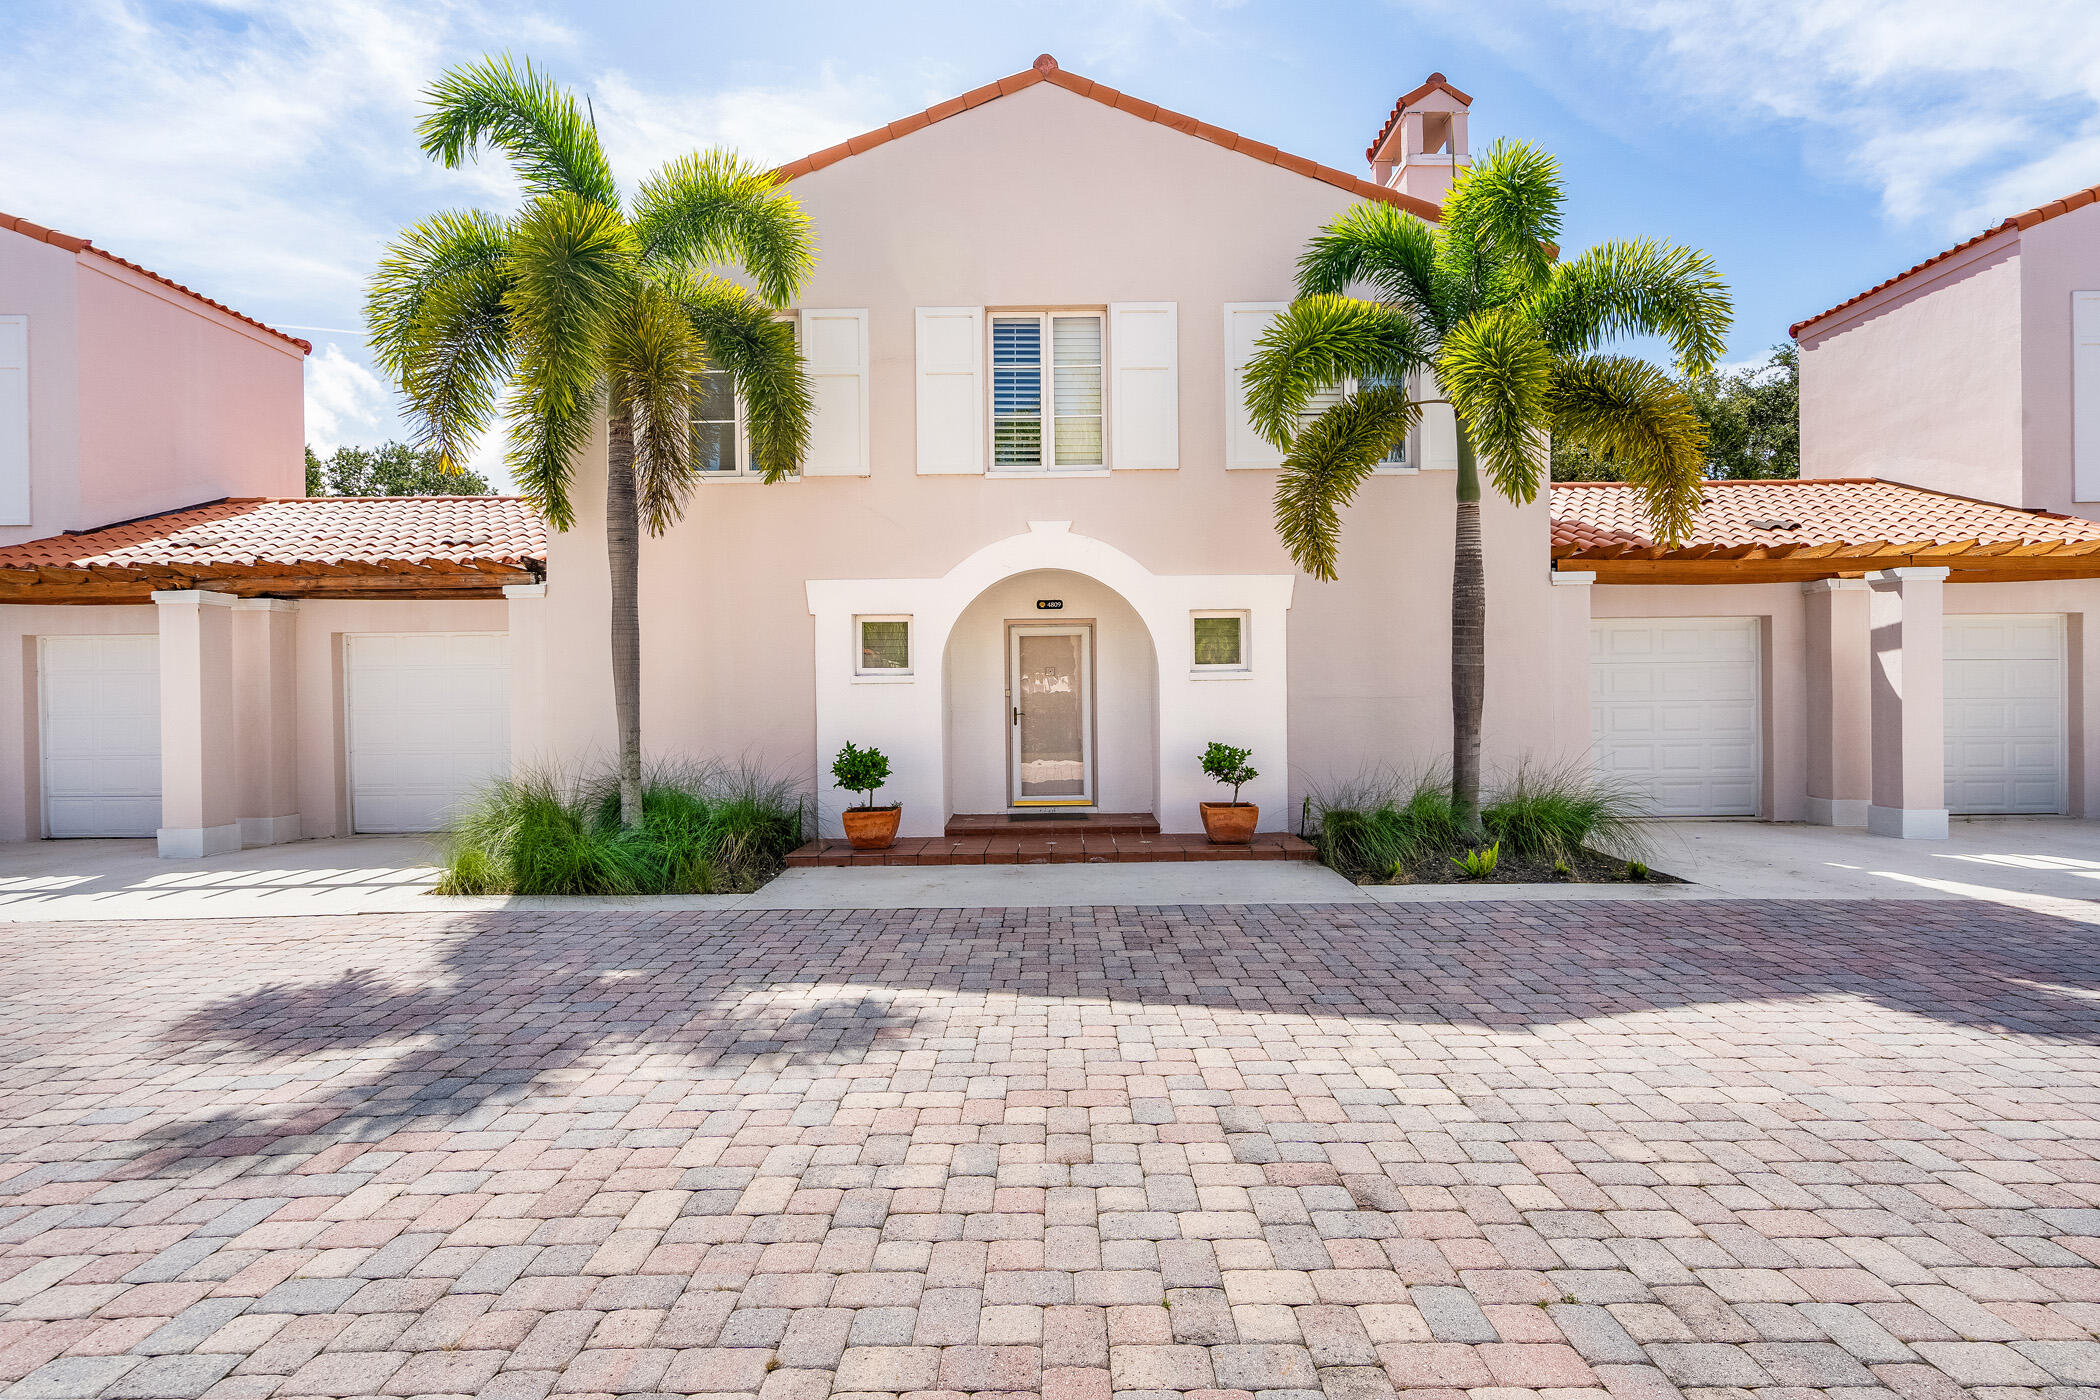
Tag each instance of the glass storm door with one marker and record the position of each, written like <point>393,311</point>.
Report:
<point>1050,699</point>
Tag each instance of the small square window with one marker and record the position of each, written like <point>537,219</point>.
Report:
<point>884,646</point>
<point>1220,641</point>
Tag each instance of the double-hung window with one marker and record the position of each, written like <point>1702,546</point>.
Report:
<point>721,430</point>
<point>1396,458</point>
<point>1047,404</point>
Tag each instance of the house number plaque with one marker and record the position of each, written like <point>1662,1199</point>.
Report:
<point>1049,604</point>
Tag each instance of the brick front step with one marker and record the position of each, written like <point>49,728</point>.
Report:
<point>1065,848</point>
<point>1072,824</point>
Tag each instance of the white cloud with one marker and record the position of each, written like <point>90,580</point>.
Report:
<point>345,401</point>
<point>1958,114</point>
<point>772,124</point>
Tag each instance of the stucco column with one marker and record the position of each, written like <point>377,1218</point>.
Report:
<point>1570,601</point>
<point>1840,701</point>
<point>266,709</point>
<point>528,674</point>
<point>199,781</point>
<point>1909,704</point>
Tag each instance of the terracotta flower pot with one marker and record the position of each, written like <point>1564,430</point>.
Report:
<point>1229,823</point>
<point>872,828</point>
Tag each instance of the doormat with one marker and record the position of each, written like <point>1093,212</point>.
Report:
<point>1047,816</point>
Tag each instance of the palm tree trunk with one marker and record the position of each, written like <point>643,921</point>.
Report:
<point>623,556</point>
<point>1468,646</point>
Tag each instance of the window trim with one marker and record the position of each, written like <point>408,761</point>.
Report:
<point>1045,318</point>
<point>745,471</point>
<point>1245,665</point>
<point>882,674</point>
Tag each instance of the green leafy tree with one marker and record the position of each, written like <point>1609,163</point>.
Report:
<point>397,469</point>
<point>1752,419</point>
<point>582,305</point>
<point>1478,304</point>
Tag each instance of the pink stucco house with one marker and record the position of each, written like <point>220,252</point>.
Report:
<point>1023,613</point>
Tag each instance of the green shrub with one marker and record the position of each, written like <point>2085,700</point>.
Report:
<point>1227,766</point>
<point>1553,813</point>
<point>705,829</point>
<point>862,770</point>
<point>1377,826</point>
<point>1479,864</point>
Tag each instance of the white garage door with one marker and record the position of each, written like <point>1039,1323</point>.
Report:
<point>429,721</point>
<point>1674,711</point>
<point>2005,713</point>
<point>99,718</point>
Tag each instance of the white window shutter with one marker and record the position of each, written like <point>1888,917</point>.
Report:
<point>1144,399</point>
<point>951,389</point>
<point>835,351</point>
<point>1439,428</point>
<point>2085,396</point>
<point>1244,323</point>
<point>14,420</point>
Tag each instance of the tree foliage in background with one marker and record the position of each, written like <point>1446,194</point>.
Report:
<point>397,469</point>
<point>1517,340</point>
<point>1752,418</point>
<point>584,307</point>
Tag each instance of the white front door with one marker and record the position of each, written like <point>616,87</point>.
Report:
<point>1050,714</point>
<point>2005,713</point>
<point>99,721</point>
<point>429,721</point>
<point>1674,711</point>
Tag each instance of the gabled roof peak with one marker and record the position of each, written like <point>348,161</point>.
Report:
<point>1435,82</point>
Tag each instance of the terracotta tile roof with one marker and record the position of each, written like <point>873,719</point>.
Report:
<point>1430,84</point>
<point>322,536</point>
<point>2040,214</point>
<point>1860,521</point>
<point>74,244</point>
<point>1047,71</point>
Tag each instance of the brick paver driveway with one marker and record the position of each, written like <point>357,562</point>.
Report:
<point>1725,1148</point>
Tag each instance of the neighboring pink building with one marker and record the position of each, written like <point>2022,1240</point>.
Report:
<point>1976,371</point>
<point>1022,611</point>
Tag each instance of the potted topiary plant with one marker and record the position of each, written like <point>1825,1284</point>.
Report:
<point>1229,823</point>
<point>865,770</point>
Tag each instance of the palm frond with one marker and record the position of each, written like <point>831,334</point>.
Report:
<point>654,361</point>
<point>1638,287</point>
<point>1500,218</point>
<point>1328,460</point>
<point>1316,344</point>
<point>742,335</point>
<point>715,208</point>
<point>1388,248</point>
<point>435,312</point>
<point>1498,374</point>
<point>549,141</point>
<point>1637,418</point>
<point>572,272</point>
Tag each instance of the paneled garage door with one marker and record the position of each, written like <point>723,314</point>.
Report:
<point>2005,713</point>
<point>429,720</point>
<point>99,721</point>
<point>1674,711</point>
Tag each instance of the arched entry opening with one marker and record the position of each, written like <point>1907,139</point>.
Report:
<point>1051,699</point>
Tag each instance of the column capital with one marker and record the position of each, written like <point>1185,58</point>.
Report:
<point>192,598</point>
<point>524,590</point>
<point>266,605</point>
<point>1914,573</point>
<point>1833,585</point>
<point>1571,578</point>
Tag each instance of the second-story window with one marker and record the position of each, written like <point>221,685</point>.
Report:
<point>718,427</point>
<point>1046,391</point>
<point>1395,459</point>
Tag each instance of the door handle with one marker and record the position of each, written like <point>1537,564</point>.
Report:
<point>1017,714</point>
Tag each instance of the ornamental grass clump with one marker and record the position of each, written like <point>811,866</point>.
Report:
<point>705,829</point>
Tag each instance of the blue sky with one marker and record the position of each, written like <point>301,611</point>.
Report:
<point>263,153</point>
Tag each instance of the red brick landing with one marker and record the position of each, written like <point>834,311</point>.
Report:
<point>1097,837</point>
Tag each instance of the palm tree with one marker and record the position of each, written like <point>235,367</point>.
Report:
<point>1480,302</point>
<point>579,305</point>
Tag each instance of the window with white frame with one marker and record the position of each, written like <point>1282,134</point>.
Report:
<point>1218,641</point>
<point>721,428</point>
<point>1046,391</point>
<point>882,646</point>
<point>1396,458</point>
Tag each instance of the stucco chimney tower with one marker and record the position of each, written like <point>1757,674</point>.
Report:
<point>1423,143</point>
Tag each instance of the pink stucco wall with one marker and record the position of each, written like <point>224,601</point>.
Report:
<point>143,399</point>
<point>1922,383</point>
<point>2057,257</point>
<point>1045,198</point>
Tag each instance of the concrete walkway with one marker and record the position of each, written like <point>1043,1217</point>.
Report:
<point>2047,865</point>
